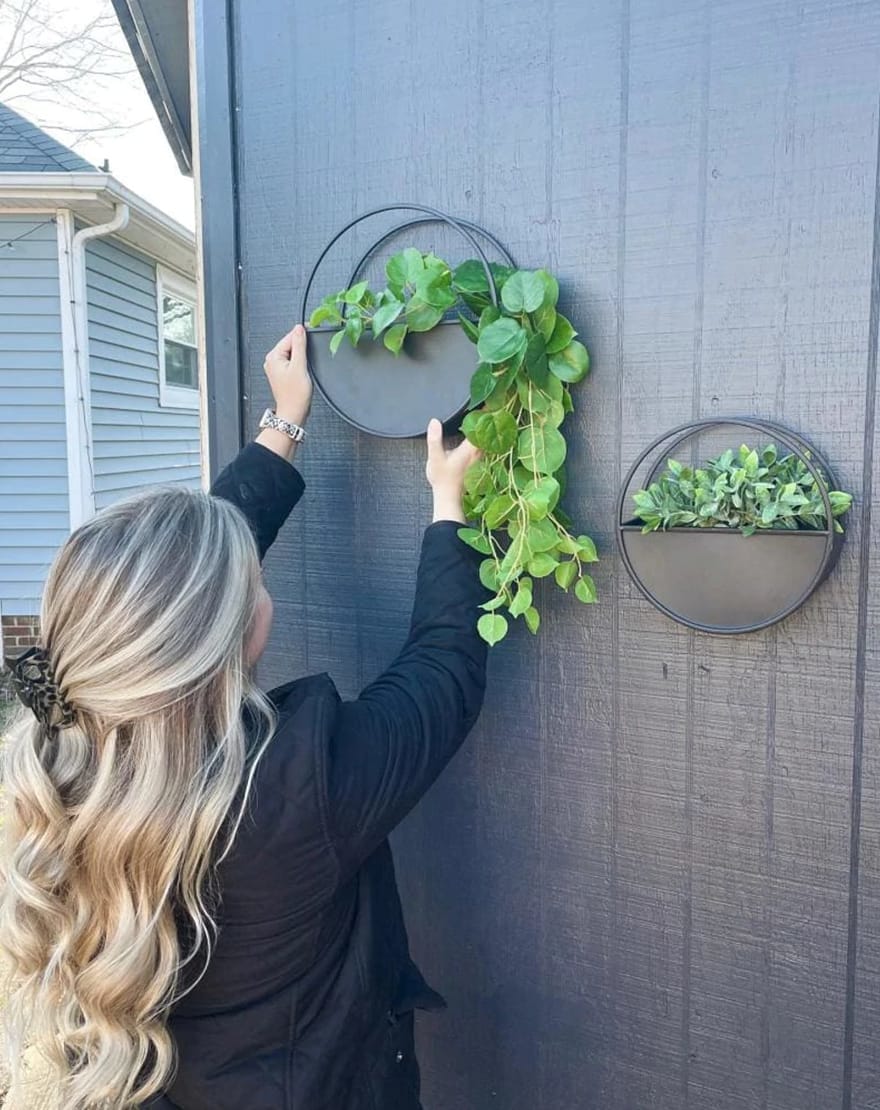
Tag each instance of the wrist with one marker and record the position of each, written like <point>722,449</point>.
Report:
<point>292,413</point>
<point>278,442</point>
<point>447,506</point>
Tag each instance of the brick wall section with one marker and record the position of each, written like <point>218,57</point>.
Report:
<point>19,633</point>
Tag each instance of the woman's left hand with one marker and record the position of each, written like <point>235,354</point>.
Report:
<point>288,373</point>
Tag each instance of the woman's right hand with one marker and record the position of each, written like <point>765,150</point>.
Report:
<point>288,373</point>
<point>446,471</point>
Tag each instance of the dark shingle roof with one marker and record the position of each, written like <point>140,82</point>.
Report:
<point>24,148</point>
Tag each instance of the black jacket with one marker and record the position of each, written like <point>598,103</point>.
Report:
<point>307,1002</point>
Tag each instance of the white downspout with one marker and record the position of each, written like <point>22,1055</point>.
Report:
<point>75,332</point>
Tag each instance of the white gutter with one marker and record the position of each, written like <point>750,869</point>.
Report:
<point>75,342</point>
<point>93,197</point>
<point>72,184</point>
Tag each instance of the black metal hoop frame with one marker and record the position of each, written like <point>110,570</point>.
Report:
<point>407,224</point>
<point>674,438</point>
<point>465,228</point>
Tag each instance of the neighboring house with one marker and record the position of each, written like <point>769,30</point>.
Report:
<point>651,880</point>
<point>98,365</point>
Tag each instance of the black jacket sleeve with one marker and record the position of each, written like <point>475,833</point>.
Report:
<point>264,487</point>
<point>389,746</point>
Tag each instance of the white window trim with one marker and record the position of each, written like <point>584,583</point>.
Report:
<point>167,281</point>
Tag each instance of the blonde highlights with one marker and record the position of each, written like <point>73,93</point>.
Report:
<point>113,826</point>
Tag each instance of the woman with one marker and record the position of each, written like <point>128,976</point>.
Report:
<point>199,907</point>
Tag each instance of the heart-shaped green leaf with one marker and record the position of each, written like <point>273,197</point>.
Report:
<point>413,264</point>
<point>470,328</point>
<point>394,337</point>
<point>563,333</point>
<point>476,540</point>
<point>421,316</point>
<point>385,315</point>
<point>436,290</point>
<point>494,432</point>
<point>541,497</point>
<point>523,292</point>
<point>478,479</point>
<point>542,565</point>
<point>354,328</point>
<point>325,314</point>
<point>551,288</point>
<point>395,273</point>
<point>545,321</point>
<point>566,574</point>
<point>542,536</point>
<point>470,277</point>
<point>489,575</point>
<point>512,563</point>
<point>553,415</point>
<point>572,363</point>
<point>541,449</point>
<point>585,590</point>
<point>536,364</point>
<point>492,627</point>
<point>587,550</point>
<point>482,384</point>
<point>501,340</point>
<point>523,598</point>
<point>353,295</point>
<point>499,510</point>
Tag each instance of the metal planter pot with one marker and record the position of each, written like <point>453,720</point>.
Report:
<point>395,396</point>
<point>715,579</point>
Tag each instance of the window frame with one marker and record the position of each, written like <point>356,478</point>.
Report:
<point>169,283</point>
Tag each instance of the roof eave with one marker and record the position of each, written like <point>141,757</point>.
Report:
<point>93,197</point>
<point>136,29</point>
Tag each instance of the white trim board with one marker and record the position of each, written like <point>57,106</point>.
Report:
<point>175,396</point>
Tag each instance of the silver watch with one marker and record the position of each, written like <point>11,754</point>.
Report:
<point>270,420</point>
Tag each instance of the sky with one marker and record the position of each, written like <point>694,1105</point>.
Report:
<point>139,154</point>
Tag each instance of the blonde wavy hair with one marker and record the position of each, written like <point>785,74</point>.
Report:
<point>115,824</point>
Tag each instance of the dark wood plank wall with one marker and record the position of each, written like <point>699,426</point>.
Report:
<point>652,879</point>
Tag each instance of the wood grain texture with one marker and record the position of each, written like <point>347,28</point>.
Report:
<point>651,881</point>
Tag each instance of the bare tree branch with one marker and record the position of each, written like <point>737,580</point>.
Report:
<point>77,58</point>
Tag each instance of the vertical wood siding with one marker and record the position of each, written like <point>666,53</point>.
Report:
<point>652,879</point>
<point>137,443</point>
<point>33,459</point>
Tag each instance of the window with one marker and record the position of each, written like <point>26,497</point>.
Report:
<point>178,342</point>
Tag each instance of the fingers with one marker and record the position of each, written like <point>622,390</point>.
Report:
<point>285,344</point>
<point>298,348</point>
<point>282,347</point>
<point>466,452</point>
<point>435,442</point>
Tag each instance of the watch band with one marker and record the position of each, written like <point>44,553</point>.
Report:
<point>294,431</point>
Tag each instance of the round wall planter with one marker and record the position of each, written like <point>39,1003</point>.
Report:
<point>395,396</point>
<point>715,579</point>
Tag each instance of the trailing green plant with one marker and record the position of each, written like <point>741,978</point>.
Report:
<point>748,489</point>
<point>528,357</point>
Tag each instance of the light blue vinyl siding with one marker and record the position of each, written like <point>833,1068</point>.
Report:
<point>136,442</point>
<point>34,507</point>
